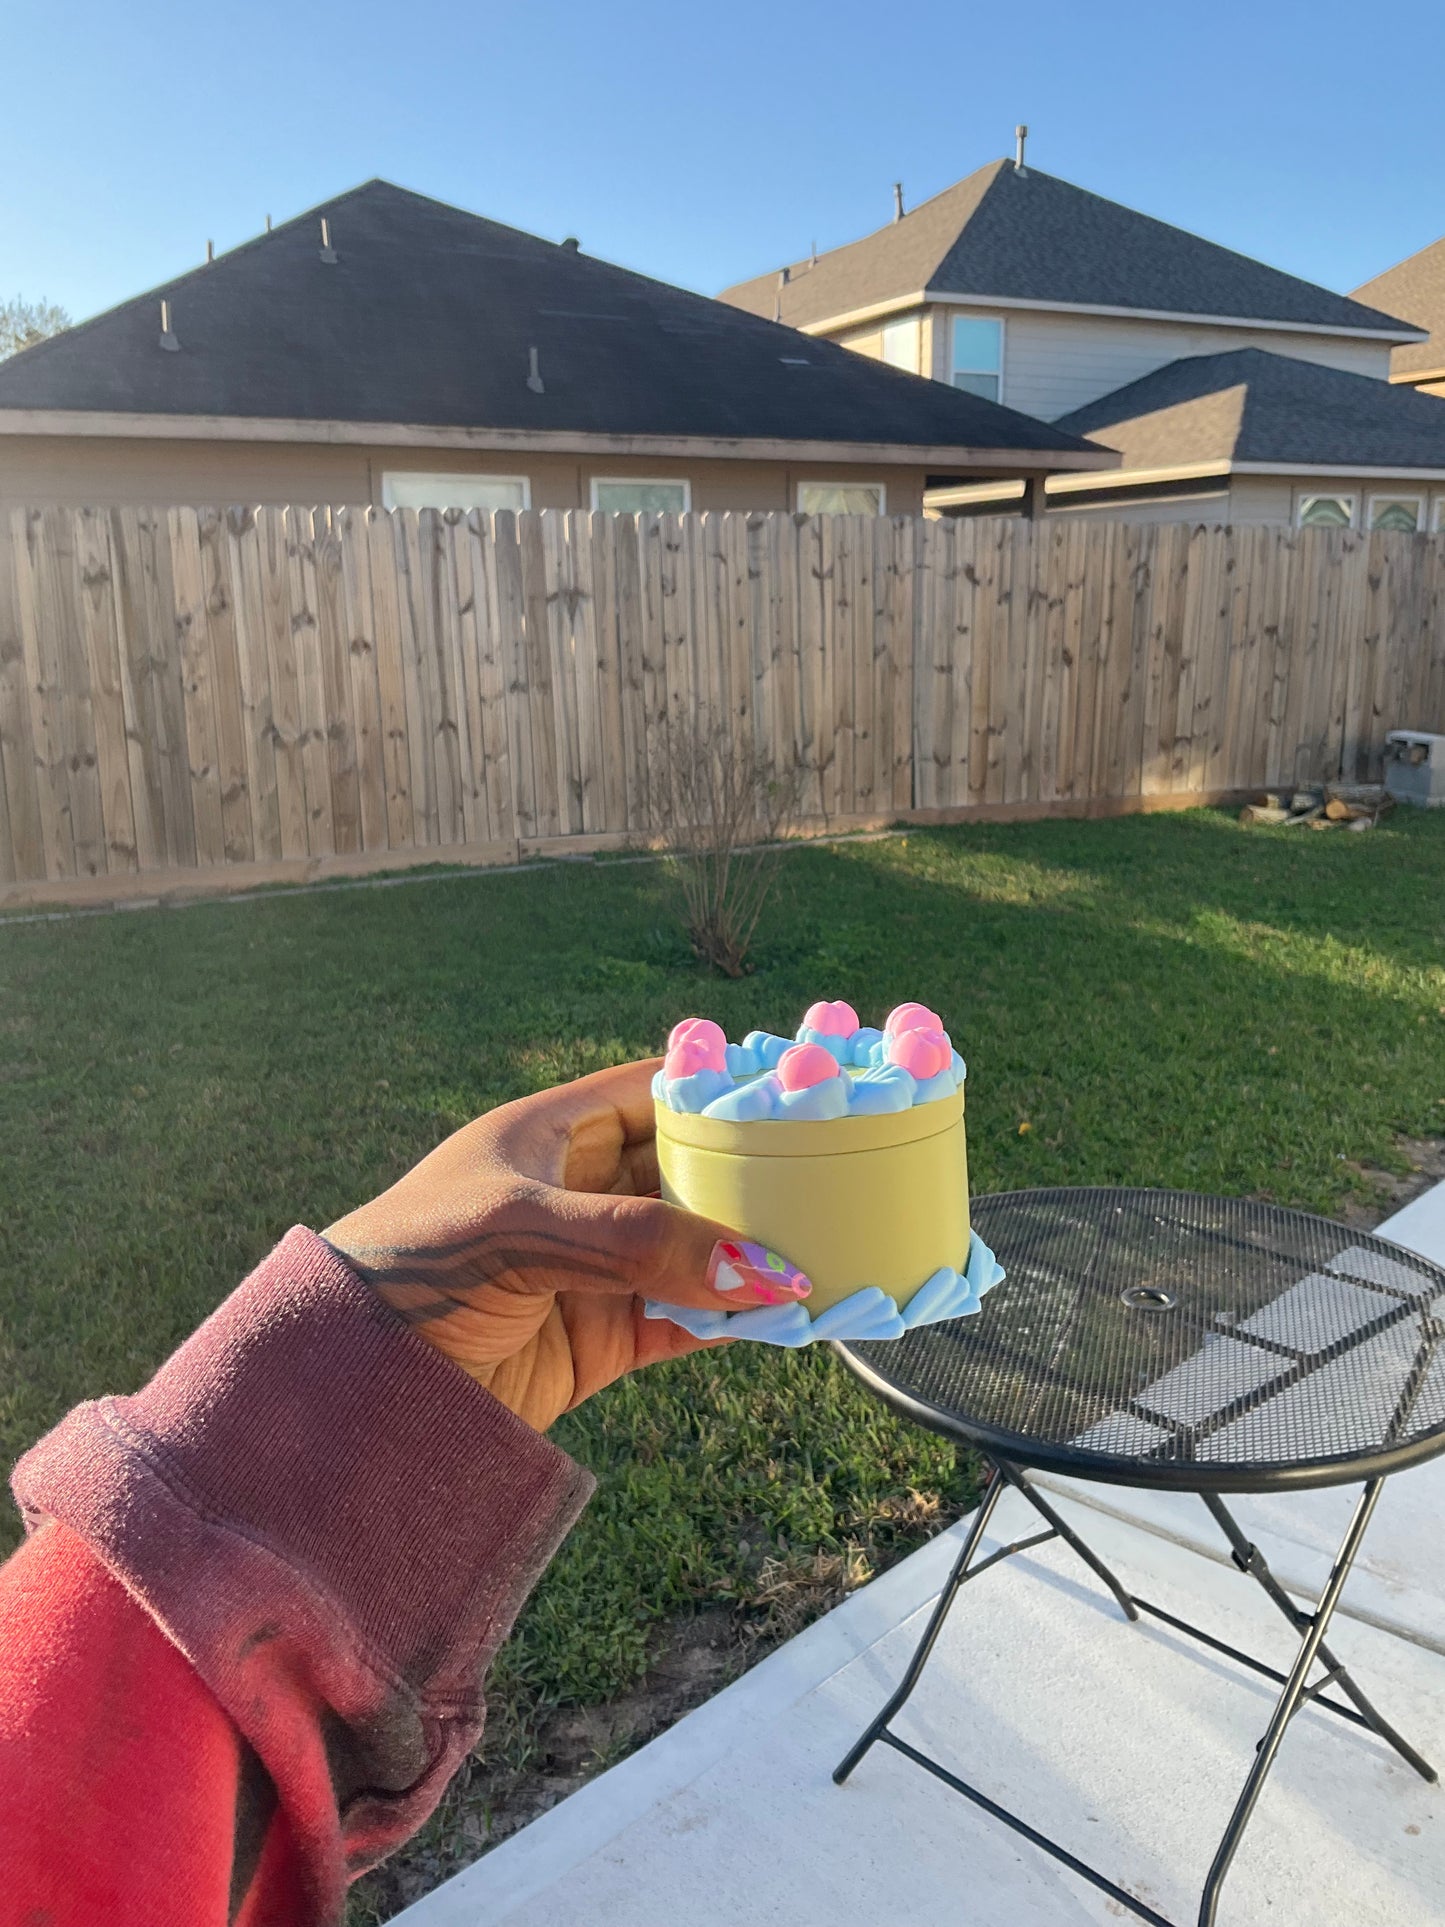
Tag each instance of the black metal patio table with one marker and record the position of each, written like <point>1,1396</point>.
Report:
<point>1187,1344</point>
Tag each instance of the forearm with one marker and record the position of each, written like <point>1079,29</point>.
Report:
<point>310,1532</point>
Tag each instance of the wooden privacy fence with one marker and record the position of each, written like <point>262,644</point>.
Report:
<point>305,690</point>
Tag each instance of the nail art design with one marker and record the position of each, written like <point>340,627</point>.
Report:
<point>762,1275</point>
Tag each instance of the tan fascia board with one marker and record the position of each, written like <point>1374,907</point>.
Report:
<point>1131,478</point>
<point>1013,491</point>
<point>875,311</point>
<point>521,441</point>
<point>1125,478</point>
<point>936,297</point>
<point>1416,376</point>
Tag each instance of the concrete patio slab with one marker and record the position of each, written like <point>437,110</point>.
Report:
<point>1129,1743</point>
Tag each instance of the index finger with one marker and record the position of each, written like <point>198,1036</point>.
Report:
<point>595,1134</point>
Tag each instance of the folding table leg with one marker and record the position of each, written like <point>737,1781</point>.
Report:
<point>956,1579</point>
<point>964,1570</point>
<point>1070,1538</point>
<point>1291,1698</point>
<point>1250,1559</point>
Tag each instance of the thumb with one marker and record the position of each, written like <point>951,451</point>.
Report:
<point>660,1251</point>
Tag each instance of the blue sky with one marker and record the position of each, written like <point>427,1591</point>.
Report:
<point>704,144</point>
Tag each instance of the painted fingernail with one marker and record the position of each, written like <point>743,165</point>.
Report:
<point>765,1277</point>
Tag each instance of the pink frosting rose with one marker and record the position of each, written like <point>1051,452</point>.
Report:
<point>700,1033</point>
<point>922,1053</point>
<point>691,1055</point>
<point>911,1017</point>
<point>831,1020</point>
<point>804,1065</point>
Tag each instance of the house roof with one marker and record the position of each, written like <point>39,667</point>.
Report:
<point>1014,235</point>
<point>428,317</point>
<point>1252,407</point>
<point>1416,288</point>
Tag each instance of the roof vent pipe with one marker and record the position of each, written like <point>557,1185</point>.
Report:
<point>168,340</point>
<point>813,255</point>
<point>1021,134</point>
<point>210,250</point>
<point>328,253</point>
<point>898,200</point>
<point>572,245</point>
<point>268,223</point>
<point>534,373</point>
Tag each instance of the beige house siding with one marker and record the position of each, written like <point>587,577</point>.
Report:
<point>1211,504</point>
<point>932,343</point>
<point>1274,498</point>
<point>103,471</point>
<point>1056,362</point>
<point>1259,499</point>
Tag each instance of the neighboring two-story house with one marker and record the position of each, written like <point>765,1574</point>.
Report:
<point>1233,391</point>
<point>1416,288</point>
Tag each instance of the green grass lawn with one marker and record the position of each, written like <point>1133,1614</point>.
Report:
<point>1164,1000</point>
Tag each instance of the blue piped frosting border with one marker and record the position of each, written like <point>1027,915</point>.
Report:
<point>867,1314</point>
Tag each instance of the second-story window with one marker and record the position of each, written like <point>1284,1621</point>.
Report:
<point>977,363</point>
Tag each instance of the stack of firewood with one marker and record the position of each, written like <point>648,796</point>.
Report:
<point>1324,806</point>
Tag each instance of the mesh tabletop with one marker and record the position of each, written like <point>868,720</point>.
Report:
<point>1157,1338</point>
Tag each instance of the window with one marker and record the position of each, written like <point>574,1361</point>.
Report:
<point>404,488</point>
<point>637,496</point>
<point>977,363</point>
<point>1326,512</point>
<point>842,498</point>
<point>1402,513</point>
<point>1437,519</point>
<point>900,344</point>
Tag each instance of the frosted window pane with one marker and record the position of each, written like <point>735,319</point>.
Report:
<point>840,498</point>
<point>642,498</point>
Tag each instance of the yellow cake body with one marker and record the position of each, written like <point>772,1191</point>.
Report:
<point>853,1201</point>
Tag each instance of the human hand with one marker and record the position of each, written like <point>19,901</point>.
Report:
<point>523,1246</point>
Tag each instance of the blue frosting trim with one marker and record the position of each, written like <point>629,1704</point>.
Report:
<point>866,1314</point>
<point>747,1092</point>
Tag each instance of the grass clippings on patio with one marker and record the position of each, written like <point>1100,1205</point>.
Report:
<point>1157,1000</point>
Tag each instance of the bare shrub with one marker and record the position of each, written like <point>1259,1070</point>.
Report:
<point>721,806</point>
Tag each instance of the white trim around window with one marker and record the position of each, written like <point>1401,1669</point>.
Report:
<point>820,486</point>
<point>637,483</point>
<point>1402,498</point>
<point>1305,502</point>
<point>418,488</point>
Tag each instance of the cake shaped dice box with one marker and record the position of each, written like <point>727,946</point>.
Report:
<point>842,1149</point>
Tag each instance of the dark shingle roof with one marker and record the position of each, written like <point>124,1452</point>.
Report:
<point>1415,288</point>
<point>427,317</point>
<point>1250,406</point>
<point>1031,237</point>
